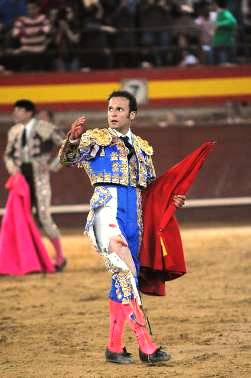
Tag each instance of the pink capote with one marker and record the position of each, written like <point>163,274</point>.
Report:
<point>21,248</point>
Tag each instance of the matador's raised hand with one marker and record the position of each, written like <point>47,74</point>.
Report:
<point>77,128</point>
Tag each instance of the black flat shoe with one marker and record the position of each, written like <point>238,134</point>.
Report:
<point>118,358</point>
<point>158,356</point>
<point>60,268</point>
<point>127,353</point>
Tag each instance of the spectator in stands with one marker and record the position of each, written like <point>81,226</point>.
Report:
<point>66,37</point>
<point>124,19</point>
<point>154,19</point>
<point>95,35</point>
<point>206,21</point>
<point>224,38</point>
<point>185,33</point>
<point>31,33</point>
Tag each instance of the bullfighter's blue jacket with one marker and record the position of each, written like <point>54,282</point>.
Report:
<point>103,155</point>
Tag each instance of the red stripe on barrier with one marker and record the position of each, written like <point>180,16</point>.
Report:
<point>193,101</point>
<point>101,105</point>
<point>119,75</point>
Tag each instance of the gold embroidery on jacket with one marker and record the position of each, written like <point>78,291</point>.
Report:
<point>144,145</point>
<point>114,156</point>
<point>138,171</point>
<point>139,215</point>
<point>133,171</point>
<point>115,167</point>
<point>101,137</point>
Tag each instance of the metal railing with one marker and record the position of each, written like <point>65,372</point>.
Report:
<point>102,49</point>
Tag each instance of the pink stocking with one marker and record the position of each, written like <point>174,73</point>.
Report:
<point>117,325</point>
<point>136,320</point>
<point>58,249</point>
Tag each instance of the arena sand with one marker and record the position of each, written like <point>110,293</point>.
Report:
<point>56,325</point>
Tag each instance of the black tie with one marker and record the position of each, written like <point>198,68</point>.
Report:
<point>129,146</point>
<point>24,138</point>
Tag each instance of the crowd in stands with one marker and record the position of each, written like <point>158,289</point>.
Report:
<point>65,35</point>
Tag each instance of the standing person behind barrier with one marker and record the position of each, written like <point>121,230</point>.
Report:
<point>123,18</point>
<point>96,33</point>
<point>31,33</point>
<point>224,38</point>
<point>154,20</point>
<point>119,165</point>
<point>66,37</point>
<point>28,150</point>
<point>206,21</point>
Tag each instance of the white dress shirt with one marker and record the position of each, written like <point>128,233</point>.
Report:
<point>128,134</point>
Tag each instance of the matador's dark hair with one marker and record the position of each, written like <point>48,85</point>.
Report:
<point>28,105</point>
<point>132,100</point>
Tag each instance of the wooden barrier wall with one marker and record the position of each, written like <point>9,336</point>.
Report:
<point>226,173</point>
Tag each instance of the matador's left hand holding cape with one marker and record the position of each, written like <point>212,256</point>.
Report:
<point>161,255</point>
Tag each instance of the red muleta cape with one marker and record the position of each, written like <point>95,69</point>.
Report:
<point>161,254</point>
<point>21,247</point>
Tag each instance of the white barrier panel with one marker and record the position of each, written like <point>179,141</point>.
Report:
<point>192,203</point>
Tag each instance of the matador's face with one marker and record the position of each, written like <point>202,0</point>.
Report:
<point>118,114</point>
